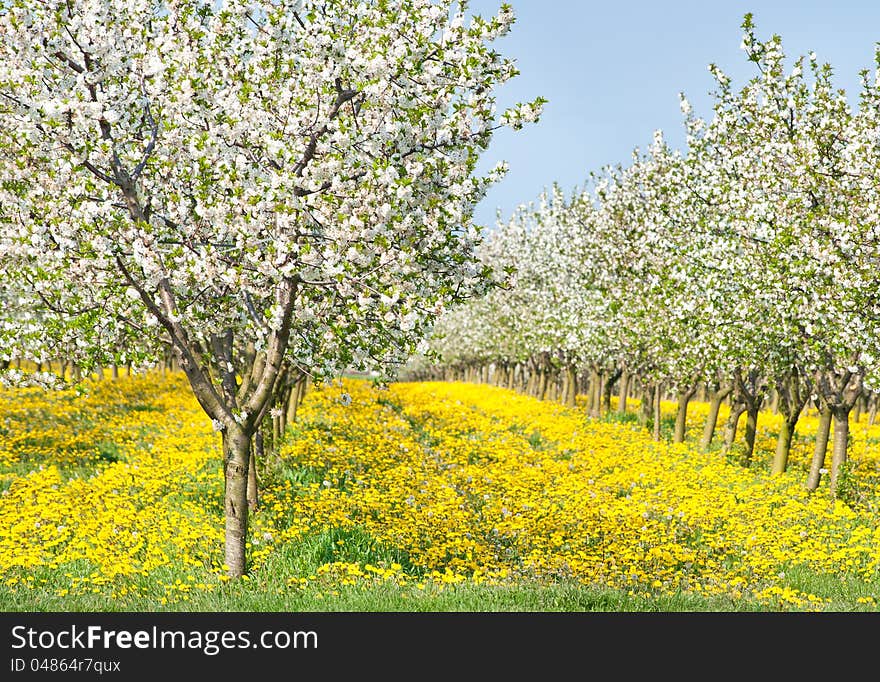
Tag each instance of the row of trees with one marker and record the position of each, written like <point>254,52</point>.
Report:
<point>746,265</point>
<point>273,189</point>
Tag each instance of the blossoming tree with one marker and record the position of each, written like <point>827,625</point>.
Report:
<point>253,183</point>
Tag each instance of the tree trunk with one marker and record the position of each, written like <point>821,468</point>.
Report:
<point>595,393</point>
<point>684,398</point>
<point>657,412</point>
<point>839,391</point>
<point>295,400</point>
<point>257,454</point>
<point>857,410</point>
<point>608,389</point>
<point>783,447</point>
<point>716,397</point>
<point>736,411</point>
<point>839,447</point>
<point>821,447</point>
<point>572,384</point>
<point>542,385</point>
<point>792,392</point>
<point>751,430</point>
<point>236,456</point>
<point>531,384</point>
<point>623,392</point>
<point>646,408</point>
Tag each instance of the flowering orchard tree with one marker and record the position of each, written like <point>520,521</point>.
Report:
<point>253,183</point>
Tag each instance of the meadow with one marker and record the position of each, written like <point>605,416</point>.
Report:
<point>420,496</point>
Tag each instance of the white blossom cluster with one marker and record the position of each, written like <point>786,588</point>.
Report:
<point>16,378</point>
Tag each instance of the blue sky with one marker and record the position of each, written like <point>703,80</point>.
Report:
<point>612,72</point>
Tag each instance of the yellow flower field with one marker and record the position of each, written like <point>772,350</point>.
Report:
<point>119,491</point>
<point>479,482</point>
<point>95,517</point>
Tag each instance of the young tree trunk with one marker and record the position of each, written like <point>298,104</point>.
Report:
<point>608,389</point>
<point>257,454</point>
<point>751,430</point>
<point>532,383</point>
<point>595,393</point>
<point>236,456</point>
<point>572,384</point>
<point>839,446</point>
<point>295,399</point>
<point>716,397</point>
<point>623,392</point>
<point>736,411</point>
<point>792,393</point>
<point>657,412</point>
<point>646,408</point>
<point>748,395</point>
<point>684,398</point>
<point>783,447</point>
<point>839,391</point>
<point>774,401</point>
<point>872,409</point>
<point>542,384</point>
<point>821,447</point>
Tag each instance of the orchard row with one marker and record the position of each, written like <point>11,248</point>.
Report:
<point>746,265</point>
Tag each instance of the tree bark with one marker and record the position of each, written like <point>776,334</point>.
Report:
<point>542,385</point>
<point>783,447</point>
<point>716,397</point>
<point>608,389</point>
<point>820,448</point>
<point>572,386</point>
<point>623,392</point>
<point>684,398</point>
<point>839,390</point>
<point>839,446</point>
<point>595,393</point>
<point>657,412</point>
<point>646,409</point>
<point>792,393</point>
<point>236,456</point>
<point>751,431</point>
<point>730,428</point>
<point>257,454</point>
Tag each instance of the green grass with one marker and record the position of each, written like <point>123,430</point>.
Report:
<point>269,594</point>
